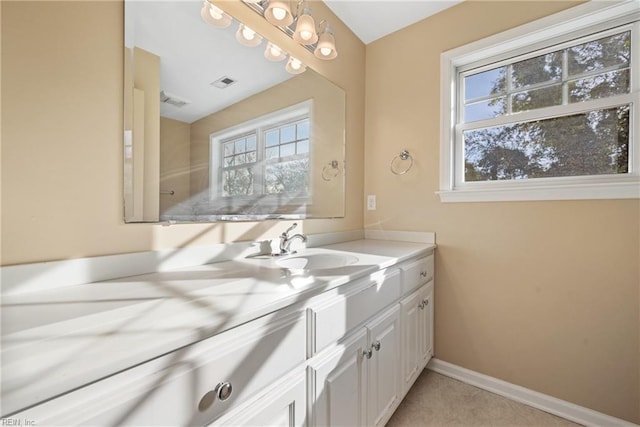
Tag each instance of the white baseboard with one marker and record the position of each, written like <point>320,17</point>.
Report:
<point>544,402</point>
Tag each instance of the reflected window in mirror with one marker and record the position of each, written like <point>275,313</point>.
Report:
<point>263,164</point>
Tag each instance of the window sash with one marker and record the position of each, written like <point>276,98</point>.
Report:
<point>571,27</point>
<point>261,163</point>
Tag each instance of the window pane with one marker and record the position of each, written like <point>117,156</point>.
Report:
<point>303,146</point>
<point>593,143</point>
<point>287,150</point>
<point>272,153</point>
<point>303,130</point>
<point>240,144</point>
<point>272,138</point>
<point>537,98</point>
<point>600,86</point>
<point>288,134</point>
<point>540,69</point>
<point>287,177</point>
<point>484,110</point>
<point>599,54</point>
<point>251,157</point>
<point>251,143</point>
<point>239,159</point>
<point>483,84</point>
<point>228,148</point>
<point>238,182</point>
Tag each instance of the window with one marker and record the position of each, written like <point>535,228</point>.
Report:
<point>546,111</point>
<point>263,164</point>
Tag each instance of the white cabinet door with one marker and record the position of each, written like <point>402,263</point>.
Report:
<point>412,342</point>
<point>426,324</point>
<point>281,405</point>
<point>384,389</point>
<point>417,333</point>
<point>339,383</point>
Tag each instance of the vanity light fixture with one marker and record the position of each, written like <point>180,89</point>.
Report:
<point>278,13</point>
<point>247,37</point>
<point>295,66</point>
<point>301,27</point>
<point>326,47</point>
<point>274,53</point>
<point>305,32</point>
<point>214,16</point>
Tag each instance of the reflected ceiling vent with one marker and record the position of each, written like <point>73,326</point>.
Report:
<point>223,82</point>
<point>171,99</point>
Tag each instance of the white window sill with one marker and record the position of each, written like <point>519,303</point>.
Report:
<point>618,190</point>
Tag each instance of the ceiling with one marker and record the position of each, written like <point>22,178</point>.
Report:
<point>373,19</point>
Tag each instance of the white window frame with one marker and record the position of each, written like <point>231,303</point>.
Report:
<point>562,27</point>
<point>293,113</point>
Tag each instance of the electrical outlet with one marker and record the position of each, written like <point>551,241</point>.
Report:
<point>371,202</point>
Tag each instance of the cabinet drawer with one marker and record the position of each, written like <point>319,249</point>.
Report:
<point>416,273</point>
<point>334,317</point>
<point>178,389</point>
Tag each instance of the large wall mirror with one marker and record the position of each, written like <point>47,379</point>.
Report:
<point>214,131</point>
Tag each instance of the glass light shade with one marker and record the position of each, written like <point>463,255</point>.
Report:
<point>295,66</point>
<point>326,47</point>
<point>278,13</point>
<point>274,53</point>
<point>214,16</point>
<point>305,32</point>
<point>247,37</point>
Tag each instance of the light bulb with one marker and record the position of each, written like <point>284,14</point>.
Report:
<point>248,33</point>
<point>215,12</point>
<point>306,34</point>
<point>275,50</point>
<point>326,47</point>
<point>214,16</point>
<point>247,37</point>
<point>295,66</point>
<point>279,13</point>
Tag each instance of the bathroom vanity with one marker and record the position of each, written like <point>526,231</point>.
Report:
<point>334,335</point>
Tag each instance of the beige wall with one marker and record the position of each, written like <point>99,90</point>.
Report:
<point>540,294</point>
<point>62,76</point>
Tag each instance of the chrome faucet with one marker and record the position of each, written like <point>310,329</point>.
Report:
<point>285,240</point>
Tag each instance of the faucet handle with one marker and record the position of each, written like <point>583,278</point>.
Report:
<point>294,225</point>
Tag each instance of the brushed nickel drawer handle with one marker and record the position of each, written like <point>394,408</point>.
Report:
<point>223,391</point>
<point>423,274</point>
<point>376,345</point>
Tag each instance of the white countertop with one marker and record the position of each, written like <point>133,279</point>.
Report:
<point>56,340</point>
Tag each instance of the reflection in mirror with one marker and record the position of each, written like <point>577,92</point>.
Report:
<point>218,130</point>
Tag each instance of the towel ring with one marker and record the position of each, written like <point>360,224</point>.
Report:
<point>403,156</point>
<point>330,170</point>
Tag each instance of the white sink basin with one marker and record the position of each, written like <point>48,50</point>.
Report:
<point>316,261</point>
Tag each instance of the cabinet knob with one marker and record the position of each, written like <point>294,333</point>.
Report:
<point>376,345</point>
<point>425,302</point>
<point>423,274</point>
<point>421,305</point>
<point>223,390</point>
<point>367,353</point>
